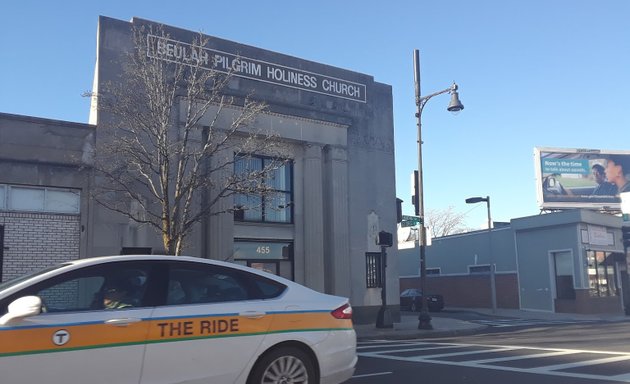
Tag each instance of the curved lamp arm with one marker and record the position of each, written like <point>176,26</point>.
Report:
<point>421,101</point>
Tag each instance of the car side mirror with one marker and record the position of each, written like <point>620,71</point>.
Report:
<point>20,308</point>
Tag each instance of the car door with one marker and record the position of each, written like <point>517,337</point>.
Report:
<point>77,340</point>
<point>211,326</point>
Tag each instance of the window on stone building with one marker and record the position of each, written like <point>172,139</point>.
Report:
<point>62,201</point>
<point>274,207</point>
<point>373,267</point>
<point>3,197</point>
<point>39,199</point>
<point>26,199</point>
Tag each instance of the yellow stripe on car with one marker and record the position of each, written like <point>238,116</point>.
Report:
<point>42,339</point>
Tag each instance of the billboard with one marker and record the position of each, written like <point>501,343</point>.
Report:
<point>581,178</point>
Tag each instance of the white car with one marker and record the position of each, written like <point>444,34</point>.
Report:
<point>170,319</point>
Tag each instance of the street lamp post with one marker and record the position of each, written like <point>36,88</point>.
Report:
<point>493,287</point>
<point>424,320</point>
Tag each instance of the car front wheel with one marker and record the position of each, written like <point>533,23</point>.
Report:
<point>284,365</point>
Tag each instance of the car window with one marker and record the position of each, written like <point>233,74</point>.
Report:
<point>107,286</point>
<point>190,284</point>
<point>123,288</point>
<point>269,288</point>
<point>411,292</point>
<point>71,295</point>
<point>8,284</point>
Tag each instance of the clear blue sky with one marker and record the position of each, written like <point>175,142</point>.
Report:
<point>531,73</point>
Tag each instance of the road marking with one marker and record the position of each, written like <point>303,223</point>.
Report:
<point>372,374</point>
<point>613,359</point>
<point>387,350</point>
<point>384,344</point>
<point>532,356</point>
<point>502,323</point>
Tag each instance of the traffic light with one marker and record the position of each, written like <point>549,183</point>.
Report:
<point>385,239</point>
<point>625,235</point>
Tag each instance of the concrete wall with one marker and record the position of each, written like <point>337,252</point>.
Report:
<point>453,255</point>
<point>535,268</point>
<point>44,153</point>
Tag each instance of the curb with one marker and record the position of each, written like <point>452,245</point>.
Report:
<point>414,335</point>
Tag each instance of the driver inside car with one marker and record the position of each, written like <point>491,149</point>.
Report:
<point>116,297</point>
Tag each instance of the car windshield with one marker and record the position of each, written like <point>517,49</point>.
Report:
<point>17,280</point>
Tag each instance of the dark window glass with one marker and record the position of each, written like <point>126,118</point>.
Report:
<point>563,266</point>
<point>108,286</point>
<point>602,271</point>
<point>72,295</point>
<point>192,284</point>
<point>269,288</point>
<point>274,206</point>
<point>373,278</point>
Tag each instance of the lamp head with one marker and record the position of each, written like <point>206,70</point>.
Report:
<point>473,200</point>
<point>455,105</point>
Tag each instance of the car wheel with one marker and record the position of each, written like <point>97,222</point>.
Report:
<point>284,365</point>
<point>414,307</point>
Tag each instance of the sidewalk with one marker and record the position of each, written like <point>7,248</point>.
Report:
<point>444,326</point>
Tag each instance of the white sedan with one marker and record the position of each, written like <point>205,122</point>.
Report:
<point>170,319</point>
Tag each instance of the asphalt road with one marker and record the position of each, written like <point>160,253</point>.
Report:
<point>579,353</point>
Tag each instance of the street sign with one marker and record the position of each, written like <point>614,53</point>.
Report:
<point>409,221</point>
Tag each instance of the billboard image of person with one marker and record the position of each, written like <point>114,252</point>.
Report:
<point>581,178</point>
<point>604,186</point>
<point>618,172</point>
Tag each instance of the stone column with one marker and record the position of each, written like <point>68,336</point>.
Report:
<point>313,218</point>
<point>338,280</point>
<point>218,230</point>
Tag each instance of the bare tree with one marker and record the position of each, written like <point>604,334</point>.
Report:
<point>170,138</point>
<point>444,222</point>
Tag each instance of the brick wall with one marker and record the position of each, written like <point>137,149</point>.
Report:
<point>35,240</point>
<point>470,291</point>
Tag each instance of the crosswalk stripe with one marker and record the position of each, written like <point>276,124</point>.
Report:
<point>526,322</point>
<point>585,363</point>
<point>603,357</point>
<point>532,356</point>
